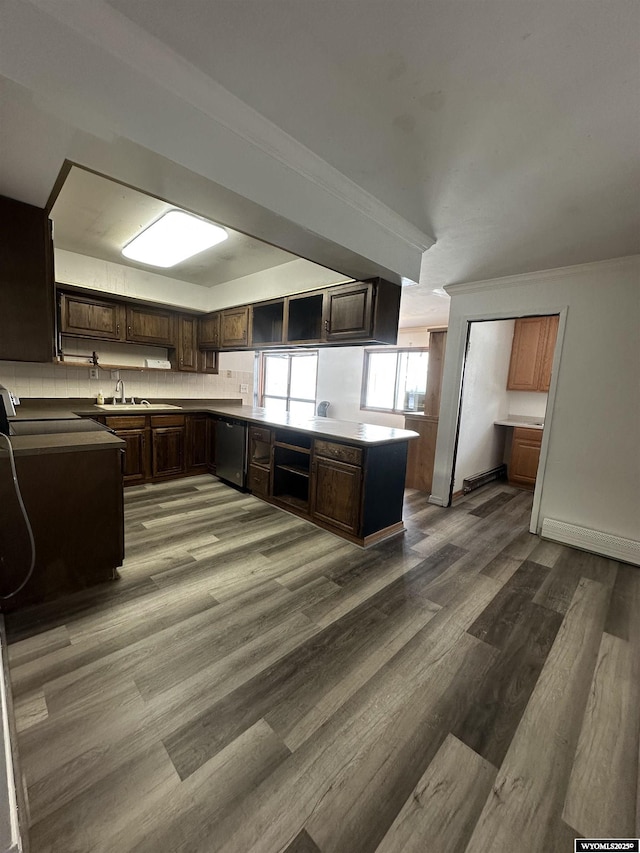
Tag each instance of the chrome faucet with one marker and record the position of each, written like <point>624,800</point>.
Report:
<point>120,387</point>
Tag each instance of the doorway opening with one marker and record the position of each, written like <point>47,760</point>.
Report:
<point>504,406</point>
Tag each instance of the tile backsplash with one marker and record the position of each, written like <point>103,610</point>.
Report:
<point>27,379</point>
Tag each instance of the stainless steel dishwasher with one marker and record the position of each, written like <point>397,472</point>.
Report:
<point>231,452</point>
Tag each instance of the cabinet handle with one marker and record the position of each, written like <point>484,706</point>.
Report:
<point>326,325</point>
<point>118,329</point>
<point>128,330</point>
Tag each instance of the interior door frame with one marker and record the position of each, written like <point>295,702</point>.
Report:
<point>461,355</point>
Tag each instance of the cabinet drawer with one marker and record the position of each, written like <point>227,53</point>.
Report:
<point>260,434</point>
<point>259,480</point>
<point>124,422</point>
<point>341,452</point>
<point>167,420</point>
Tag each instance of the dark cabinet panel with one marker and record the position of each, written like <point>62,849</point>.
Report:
<point>167,451</point>
<point>305,318</point>
<point>88,317</point>
<point>197,443</point>
<point>79,532</point>
<point>349,312</point>
<point>209,331</point>
<point>235,327</point>
<point>26,283</point>
<point>208,361</point>
<point>337,494</point>
<point>135,465</point>
<point>187,348</point>
<point>150,326</point>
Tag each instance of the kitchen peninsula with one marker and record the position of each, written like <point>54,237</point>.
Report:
<point>343,476</point>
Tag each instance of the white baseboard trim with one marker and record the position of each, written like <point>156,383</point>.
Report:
<point>626,550</point>
<point>434,499</point>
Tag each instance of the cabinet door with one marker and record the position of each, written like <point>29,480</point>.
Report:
<point>167,451</point>
<point>135,466</point>
<point>209,331</point>
<point>235,327</point>
<point>349,312</point>
<point>525,454</point>
<point>526,354</point>
<point>208,361</point>
<point>27,306</point>
<point>336,493</point>
<point>197,443</point>
<point>150,326</point>
<point>548,352</point>
<point>187,349</point>
<point>89,317</point>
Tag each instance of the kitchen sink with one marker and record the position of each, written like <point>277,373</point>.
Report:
<point>134,407</point>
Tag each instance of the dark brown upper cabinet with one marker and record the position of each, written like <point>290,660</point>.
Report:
<point>91,317</point>
<point>27,307</point>
<point>349,312</point>
<point>209,331</point>
<point>151,326</point>
<point>234,327</point>
<point>186,357</point>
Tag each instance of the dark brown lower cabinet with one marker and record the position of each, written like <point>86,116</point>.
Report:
<point>135,468</point>
<point>197,443</point>
<point>77,521</point>
<point>167,451</point>
<point>336,494</point>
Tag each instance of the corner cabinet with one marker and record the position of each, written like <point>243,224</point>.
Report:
<point>27,307</point>
<point>532,350</point>
<point>355,492</point>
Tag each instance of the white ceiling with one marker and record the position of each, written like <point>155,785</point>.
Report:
<point>507,129</point>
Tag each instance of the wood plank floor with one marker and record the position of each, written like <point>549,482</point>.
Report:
<point>253,683</point>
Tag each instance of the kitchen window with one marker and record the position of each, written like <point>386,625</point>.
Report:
<point>395,380</point>
<point>288,382</point>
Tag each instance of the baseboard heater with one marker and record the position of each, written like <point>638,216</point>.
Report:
<point>616,547</point>
<point>484,477</point>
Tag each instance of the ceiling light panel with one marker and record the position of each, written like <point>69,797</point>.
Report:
<point>174,237</point>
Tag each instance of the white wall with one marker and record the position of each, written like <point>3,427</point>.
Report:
<point>530,403</point>
<point>340,380</point>
<point>592,475</point>
<point>484,399</point>
<point>52,380</point>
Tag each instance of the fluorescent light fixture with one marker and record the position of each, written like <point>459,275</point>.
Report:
<point>173,238</point>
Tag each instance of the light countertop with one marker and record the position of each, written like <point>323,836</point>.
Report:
<point>526,421</point>
<point>356,433</point>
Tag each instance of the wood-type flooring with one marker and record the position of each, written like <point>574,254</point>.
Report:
<point>253,683</point>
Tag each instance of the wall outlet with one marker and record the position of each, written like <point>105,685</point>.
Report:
<point>244,389</point>
<point>228,374</point>
<point>115,374</point>
<point>93,373</point>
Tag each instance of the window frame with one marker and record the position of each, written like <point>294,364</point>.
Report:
<point>290,353</point>
<point>365,376</point>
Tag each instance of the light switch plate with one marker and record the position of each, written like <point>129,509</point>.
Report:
<point>244,389</point>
